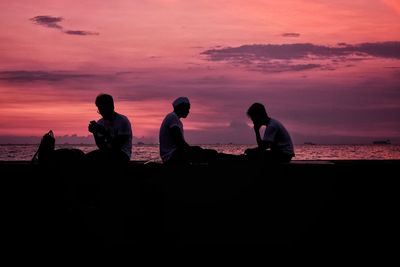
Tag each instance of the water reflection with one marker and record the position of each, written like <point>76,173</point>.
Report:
<point>303,152</point>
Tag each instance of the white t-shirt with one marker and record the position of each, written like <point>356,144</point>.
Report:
<point>119,126</point>
<point>167,144</point>
<point>277,134</point>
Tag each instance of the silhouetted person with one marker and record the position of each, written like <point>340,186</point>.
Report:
<point>276,145</point>
<point>173,147</point>
<point>112,133</point>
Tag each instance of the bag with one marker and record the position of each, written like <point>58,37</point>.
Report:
<point>47,154</point>
<point>46,148</point>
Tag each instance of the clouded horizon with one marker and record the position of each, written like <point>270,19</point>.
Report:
<point>329,70</point>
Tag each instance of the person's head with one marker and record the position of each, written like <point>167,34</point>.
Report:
<point>258,114</point>
<point>105,105</point>
<point>181,106</point>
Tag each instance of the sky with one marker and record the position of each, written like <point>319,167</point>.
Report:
<point>329,70</point>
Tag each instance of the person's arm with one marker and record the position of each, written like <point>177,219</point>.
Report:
<point>100,141</point>
<point>99,134</point>
<point>269,136</point>
<point>178,137</point>
<point>260,142</point>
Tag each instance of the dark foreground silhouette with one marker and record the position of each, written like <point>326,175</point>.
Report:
<point>302,205</point>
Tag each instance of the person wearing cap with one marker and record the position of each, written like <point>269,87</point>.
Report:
<point>276,144</point>
<point>112,133</point>
<point>173,147</point>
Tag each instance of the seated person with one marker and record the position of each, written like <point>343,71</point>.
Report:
<point>173,147</point>
<point>276,145</point>
<point>112,133</point>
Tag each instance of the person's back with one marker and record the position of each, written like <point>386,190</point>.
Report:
<point>279,137</point>
<point>119,126</point>
<point>167,141</point>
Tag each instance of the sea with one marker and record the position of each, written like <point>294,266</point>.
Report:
<point>144,152</point>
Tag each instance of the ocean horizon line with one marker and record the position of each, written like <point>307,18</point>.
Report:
<point>208,144</point>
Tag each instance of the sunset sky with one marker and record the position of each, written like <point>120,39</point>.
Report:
<point>327,69</point>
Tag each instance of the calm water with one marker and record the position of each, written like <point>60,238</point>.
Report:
<point>303,152</point>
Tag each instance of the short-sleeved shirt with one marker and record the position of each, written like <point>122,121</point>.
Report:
<point>278,136</point>
<point>120,125</point>
<point>167,143</point>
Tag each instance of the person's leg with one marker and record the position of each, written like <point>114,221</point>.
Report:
<point>267,156</point>
<point>231,158</point>
<point>283,158</point>
<point>196,154</point>
<point>177,157</point>
<point>276,157</point>
<point>68,156</point>
<point>252,153</point>
<point>192,154</point>
<point>118,157</point>
<point>96,156</point>
<point>259,155</point>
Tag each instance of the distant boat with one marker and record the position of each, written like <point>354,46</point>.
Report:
<point>140,143</point>
<point>309,143</point>
<point>382,142</point>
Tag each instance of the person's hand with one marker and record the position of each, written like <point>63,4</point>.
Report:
<point>94,127</point>
<point>257,127</point>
